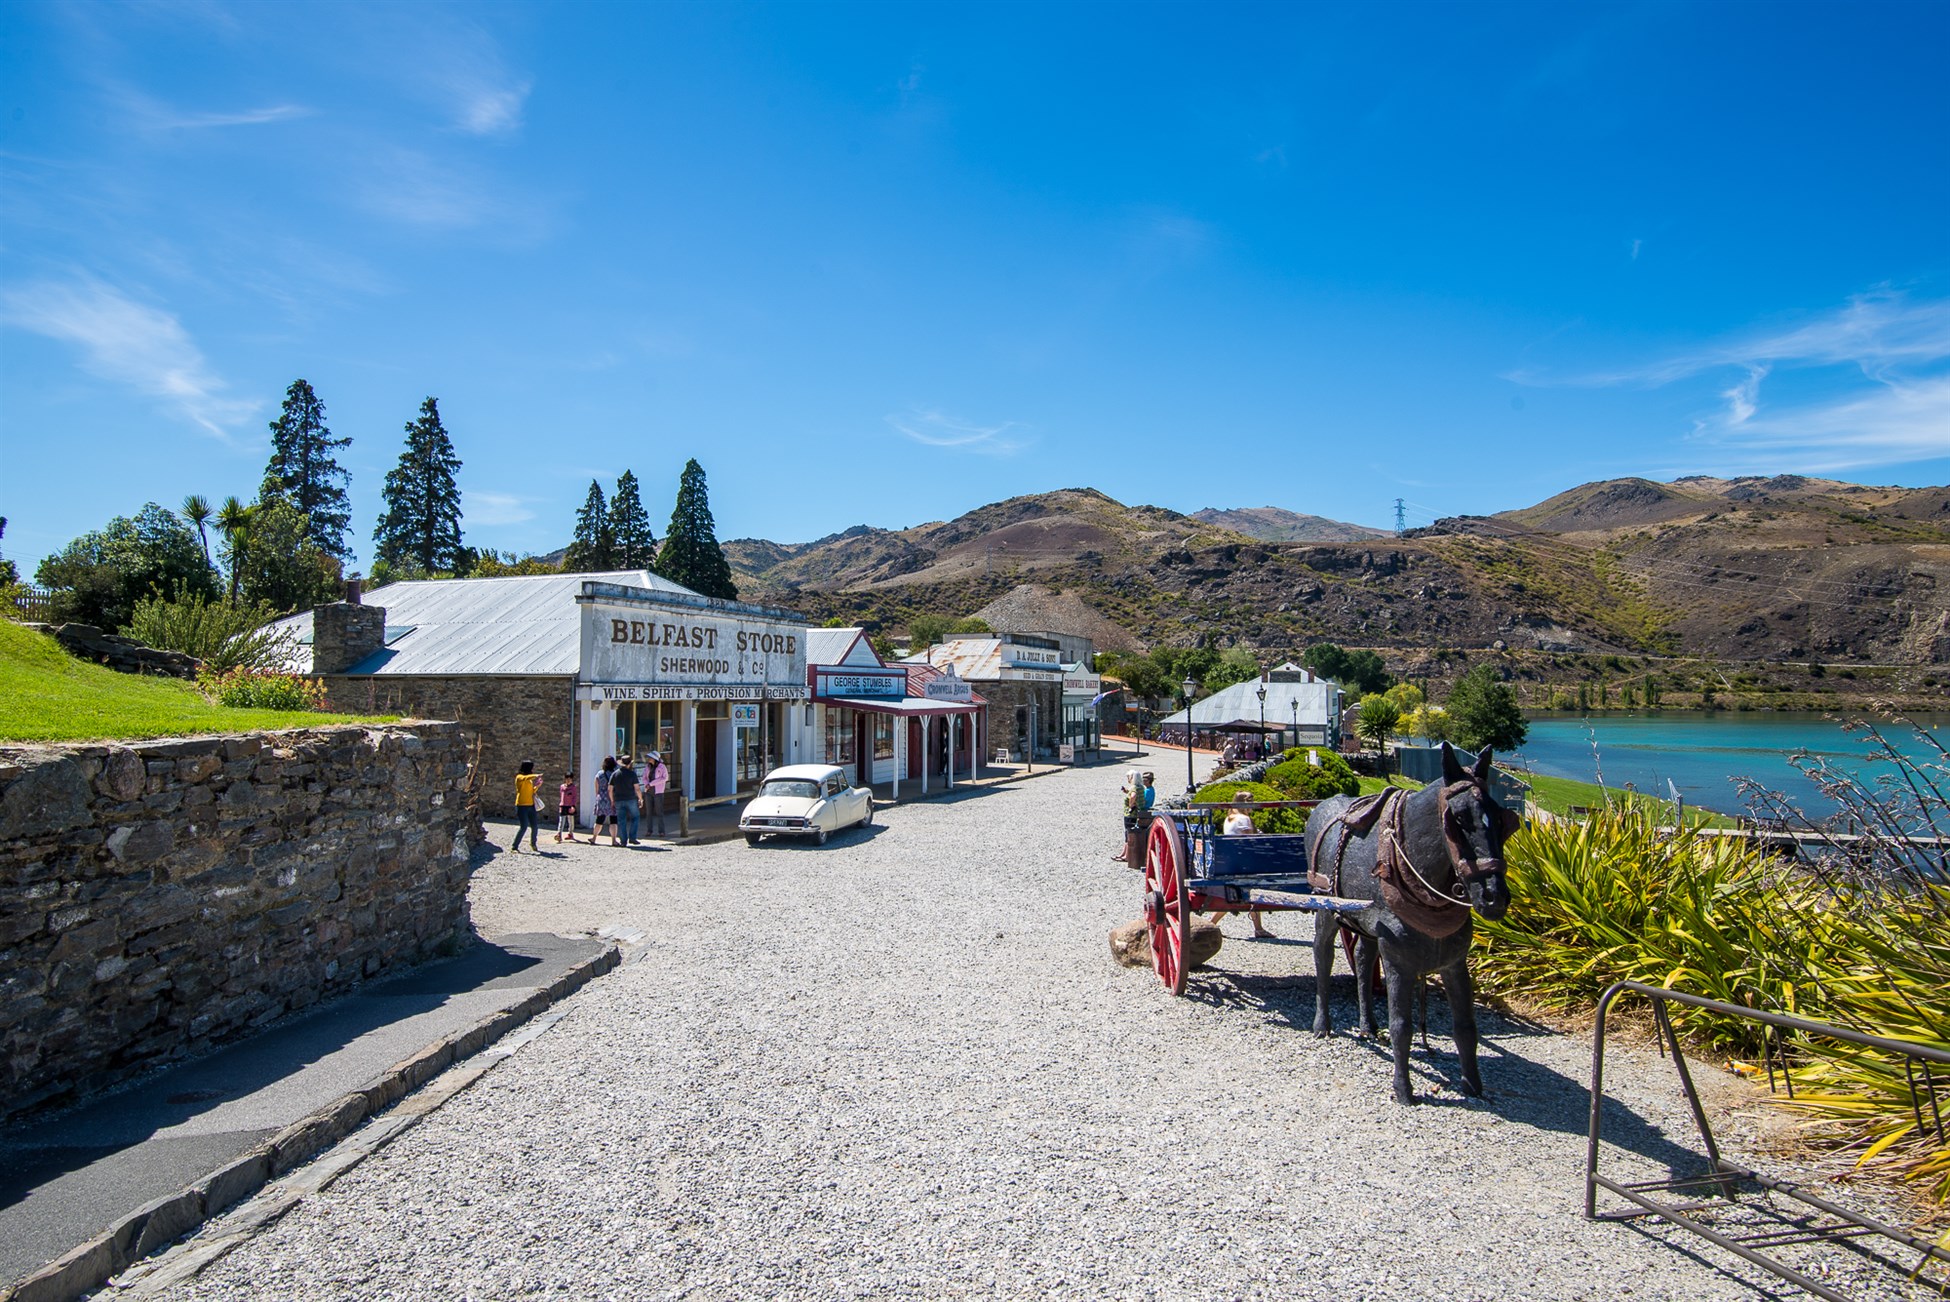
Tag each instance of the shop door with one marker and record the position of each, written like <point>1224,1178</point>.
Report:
<point>707,757</point>
<point>914,755</point>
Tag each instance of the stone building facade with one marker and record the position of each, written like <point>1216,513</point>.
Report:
<point>503,720</point>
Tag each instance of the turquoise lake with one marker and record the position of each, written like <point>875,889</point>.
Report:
<point>1702,752</point>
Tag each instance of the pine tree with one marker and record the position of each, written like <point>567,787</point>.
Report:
<point>691,555</point>
<point>420,529</point>
<point>303,470</point>
<point>593,548</point>
<point>629,526</point>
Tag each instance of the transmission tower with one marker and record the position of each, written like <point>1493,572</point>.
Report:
<point>1401,519</point>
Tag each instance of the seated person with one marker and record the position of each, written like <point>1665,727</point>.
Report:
<point>1239,819</point>
<point>1239,822</point>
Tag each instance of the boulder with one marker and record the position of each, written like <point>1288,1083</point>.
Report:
<point>1130,944</point>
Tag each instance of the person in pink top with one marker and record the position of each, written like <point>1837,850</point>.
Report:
<point>565,808</point>
<point>657,782</point>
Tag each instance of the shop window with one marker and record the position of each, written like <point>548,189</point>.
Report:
<point>883,736</point>
<point>839,737</point>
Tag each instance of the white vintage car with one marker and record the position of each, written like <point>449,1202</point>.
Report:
<point>811,800</point>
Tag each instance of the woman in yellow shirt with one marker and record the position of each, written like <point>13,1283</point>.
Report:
<point>525,820</point>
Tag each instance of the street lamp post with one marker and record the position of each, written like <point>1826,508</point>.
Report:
<point>1190,684</point>
<point>1261,694</point>
<point>1295,703</point>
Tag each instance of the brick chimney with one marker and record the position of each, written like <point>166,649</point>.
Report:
<point>343,634</point>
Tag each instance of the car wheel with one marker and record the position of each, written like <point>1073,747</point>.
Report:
<point>752,838</point>
<point>819,836</point>
<point>866,820</point>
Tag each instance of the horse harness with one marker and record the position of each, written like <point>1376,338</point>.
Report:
<point>1404,890</point>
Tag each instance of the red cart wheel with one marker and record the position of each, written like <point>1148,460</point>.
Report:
<point>1166,910</point>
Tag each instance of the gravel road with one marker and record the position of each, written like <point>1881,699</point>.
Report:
<point>904,1065</point>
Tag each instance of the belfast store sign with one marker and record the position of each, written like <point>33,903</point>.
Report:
<point>678,653</point>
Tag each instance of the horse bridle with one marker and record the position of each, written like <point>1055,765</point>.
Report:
<point>1465,870</point>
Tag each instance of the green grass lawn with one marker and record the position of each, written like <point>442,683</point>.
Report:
<point>1371,785</point>
<point>48,695</point>
<point>1558,795</point>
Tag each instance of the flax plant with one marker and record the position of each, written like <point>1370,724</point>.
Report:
<point>1884,863</point>
<point>1859,938</point>
<point>1618,897</point>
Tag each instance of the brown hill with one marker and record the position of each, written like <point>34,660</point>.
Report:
<point>1272,524</point>
<point>1758,569</point>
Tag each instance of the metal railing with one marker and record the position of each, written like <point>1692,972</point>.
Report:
<point>1722,1176</point>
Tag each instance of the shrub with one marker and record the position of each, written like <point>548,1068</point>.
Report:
<point>1266,820</point>
<point>247,689</point>
<point>1861,938</point>
<point>1616,898</point>
<point>223,635</point>
<point>1304,781</point>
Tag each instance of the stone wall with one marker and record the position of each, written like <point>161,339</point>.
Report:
<point>512,719</point>
<point>1005,695</point>
<point>122,654</point>
<point>159,897</point>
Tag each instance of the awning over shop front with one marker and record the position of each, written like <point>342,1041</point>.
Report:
<point>910,707</point>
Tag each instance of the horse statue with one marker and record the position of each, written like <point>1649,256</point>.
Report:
<point>1426,859</point>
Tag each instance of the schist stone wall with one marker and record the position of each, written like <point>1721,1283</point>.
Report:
<point>159,897</point>
<point>511,719</point>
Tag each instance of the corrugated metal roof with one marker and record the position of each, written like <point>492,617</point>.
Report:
<point>517,624</point>
<point>973,659</point>
<point>1240,701</point>
<point>828,646</point>
<point>919,676</point>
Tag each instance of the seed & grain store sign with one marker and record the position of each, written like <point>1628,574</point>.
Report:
<point>651,651</point>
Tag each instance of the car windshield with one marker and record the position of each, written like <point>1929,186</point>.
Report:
<point>791,788</point>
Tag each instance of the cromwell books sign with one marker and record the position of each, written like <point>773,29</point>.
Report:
<point>949,687</point>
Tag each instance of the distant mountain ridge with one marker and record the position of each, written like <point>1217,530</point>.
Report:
<point>1275,524</point>
<point>1781,568</point>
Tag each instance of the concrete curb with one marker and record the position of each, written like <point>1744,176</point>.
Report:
<point>167,1219</point>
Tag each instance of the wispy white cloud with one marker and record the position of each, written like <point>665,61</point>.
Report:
<point>247,118</point>
<point>410,186</point>
<point>1886,399</point>
<point>1895,421</point>
<point>145,112</point>
<point>1743,399</point>
<point>494,110</point>
<point>481,94</point>
<point>496,508</point>
<point>129,343</point>
<point>938,431</point>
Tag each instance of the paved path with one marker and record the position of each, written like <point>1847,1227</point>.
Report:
<point>903,1065</point>
<point>67,1178</point>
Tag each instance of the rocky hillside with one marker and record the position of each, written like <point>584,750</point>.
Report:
<point>1780,569</point>
<point>1271,524</point>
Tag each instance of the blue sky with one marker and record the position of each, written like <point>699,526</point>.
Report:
<point>885,264</point>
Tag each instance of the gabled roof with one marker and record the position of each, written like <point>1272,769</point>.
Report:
<point>516,624</point>
<point>840,646</point>
<point>1241,701</point>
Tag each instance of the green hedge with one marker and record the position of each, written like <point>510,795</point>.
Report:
<point>1305,781</point>
<point>1266,820</point>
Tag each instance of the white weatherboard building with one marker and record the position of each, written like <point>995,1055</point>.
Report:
<point>566,669</point>
<point>889,723</point>
<point>708,681</point>
<point>1304,708</point>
